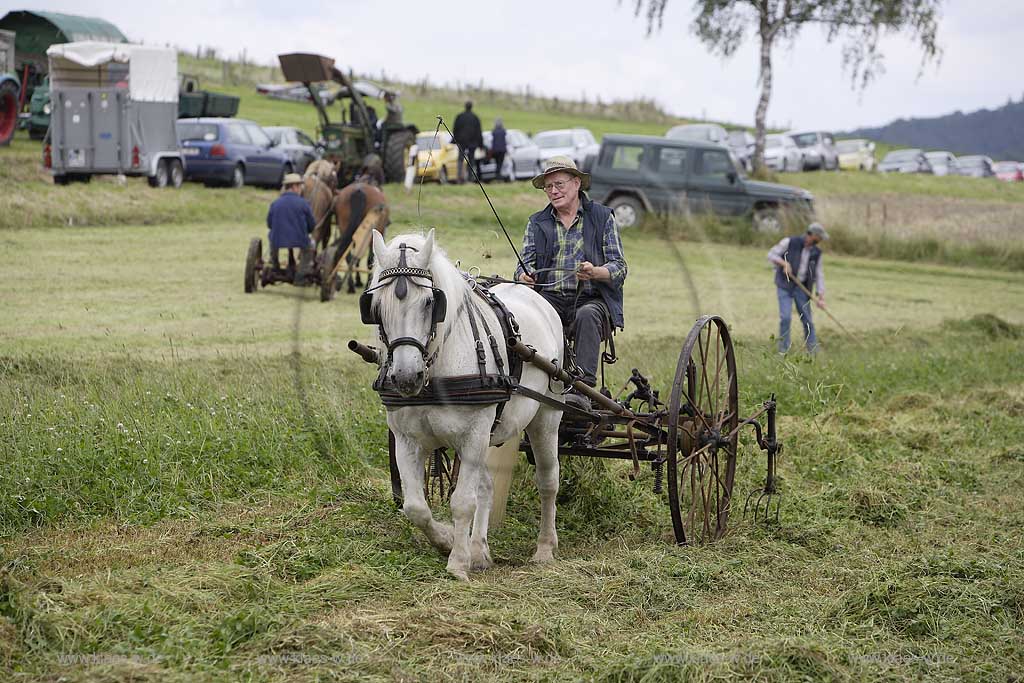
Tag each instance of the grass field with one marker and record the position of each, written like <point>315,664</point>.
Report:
<point>195,484</point>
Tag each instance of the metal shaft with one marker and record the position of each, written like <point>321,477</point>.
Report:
<point>367,353</point>
<point>529,355</point>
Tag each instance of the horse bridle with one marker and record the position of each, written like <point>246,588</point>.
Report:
<point>401,276</point>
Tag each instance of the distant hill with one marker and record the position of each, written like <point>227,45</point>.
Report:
<point>998,133</point>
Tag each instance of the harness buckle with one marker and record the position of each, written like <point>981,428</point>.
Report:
<point>481,355</point>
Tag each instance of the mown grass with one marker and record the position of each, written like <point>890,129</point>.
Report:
<point>265,545</point>
<point>196,485</point>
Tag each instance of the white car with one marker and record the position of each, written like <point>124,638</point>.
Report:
<point>782,154</point>
<point>818,148</point>
<point>575,143</point>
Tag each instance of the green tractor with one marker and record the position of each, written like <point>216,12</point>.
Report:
<point>10,89</point>
<point>347,143</point>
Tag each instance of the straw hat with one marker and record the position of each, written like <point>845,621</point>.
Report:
<point>291,179</point>
<point>561,163</point>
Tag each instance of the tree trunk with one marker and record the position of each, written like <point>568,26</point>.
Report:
<point>766,90</point>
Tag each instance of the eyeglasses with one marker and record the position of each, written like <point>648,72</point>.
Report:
<point>558,185</point>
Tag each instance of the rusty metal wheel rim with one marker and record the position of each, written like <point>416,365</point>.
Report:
<point>702,446</point>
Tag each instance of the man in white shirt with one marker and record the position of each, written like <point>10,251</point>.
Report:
<point>798,259</point>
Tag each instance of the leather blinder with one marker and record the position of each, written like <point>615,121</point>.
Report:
<point>366,311</point>
<point>440,309</point>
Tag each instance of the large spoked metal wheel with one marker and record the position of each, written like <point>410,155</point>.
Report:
<point>253,265</point>
<point>703,421</point>
<point>330,282</point>
<point>440,476</point>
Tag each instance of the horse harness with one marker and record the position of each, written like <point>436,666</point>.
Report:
<point>480,388</point>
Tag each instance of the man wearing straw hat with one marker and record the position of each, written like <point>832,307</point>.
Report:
<point>290,220</point>
<point>573,255</point>
<point>798,272</point>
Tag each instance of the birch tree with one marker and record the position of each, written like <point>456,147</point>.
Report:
<point>723,25</point>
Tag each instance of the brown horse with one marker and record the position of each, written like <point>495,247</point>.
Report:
<point>351,206</point>
<point>321,198</point>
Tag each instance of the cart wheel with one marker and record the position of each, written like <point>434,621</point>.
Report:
<point>440,475</point>
<point>328,284</point>
<point>253,265</point>
<point>703,420</point>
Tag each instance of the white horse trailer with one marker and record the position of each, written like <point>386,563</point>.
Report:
<point>114,108</point>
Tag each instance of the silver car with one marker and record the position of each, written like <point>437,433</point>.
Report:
<point>818,148</point>
<point>943,163</point>
<point>742,144</point>
<point>701,132</point>
<point>975,166</point>
<point>576,143</point>
<point>782,154</point>
<point>296,145</point>
<point>522,158</point>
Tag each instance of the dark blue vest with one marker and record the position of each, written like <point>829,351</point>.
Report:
<point>793,254</point>
<point>546,241</point>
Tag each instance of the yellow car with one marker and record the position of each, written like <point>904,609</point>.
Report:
<point>856,155</point>
<point>436,158</point>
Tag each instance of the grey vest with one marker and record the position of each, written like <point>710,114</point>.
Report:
<point>794,249</point>
<point>546,240</point>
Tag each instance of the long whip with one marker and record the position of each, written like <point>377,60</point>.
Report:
<point>472,167</point>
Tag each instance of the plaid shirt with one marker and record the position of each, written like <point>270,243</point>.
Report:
<point>570,254</point>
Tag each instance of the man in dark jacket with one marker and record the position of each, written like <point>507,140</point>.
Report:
<point>573,253</point>
<point>797,259</point>
<point>468,135</point>
<point>290,220</point>
<point>499,146</point>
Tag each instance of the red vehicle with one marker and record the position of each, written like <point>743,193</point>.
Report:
<point>1010,171</point>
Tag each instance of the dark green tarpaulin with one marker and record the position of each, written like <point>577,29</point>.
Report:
<point>37,31</point>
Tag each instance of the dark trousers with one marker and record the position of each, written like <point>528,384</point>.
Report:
<point>591,326</point>
<point>467,153</point>
<point>499,161</point>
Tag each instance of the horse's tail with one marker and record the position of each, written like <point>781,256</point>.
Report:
<point>501,461</point>
<point>357,210</point>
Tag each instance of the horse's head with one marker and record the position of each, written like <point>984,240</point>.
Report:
<point>407,305</point>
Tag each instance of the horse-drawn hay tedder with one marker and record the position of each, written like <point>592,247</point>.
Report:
<point>693,436</point>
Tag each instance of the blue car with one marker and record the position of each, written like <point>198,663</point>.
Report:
<point>232,152</point>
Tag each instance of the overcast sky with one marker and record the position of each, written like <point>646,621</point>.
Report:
<point>597,47</point>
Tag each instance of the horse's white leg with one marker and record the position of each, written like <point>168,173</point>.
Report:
<point>543,432</point>
<point>411,458</point>
<point>464,503</point>
<point>479,551</point>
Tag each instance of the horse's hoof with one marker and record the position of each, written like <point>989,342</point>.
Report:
<point>442,536</point>
<point>482,560</point>
<point>543,556</point>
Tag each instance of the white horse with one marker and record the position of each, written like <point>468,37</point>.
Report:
<point>421,351</point>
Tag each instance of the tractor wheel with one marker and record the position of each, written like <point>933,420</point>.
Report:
<point>396,150</point>
<point>8,111</point>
